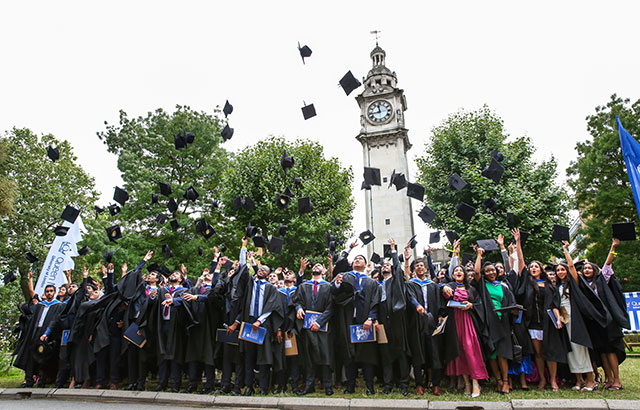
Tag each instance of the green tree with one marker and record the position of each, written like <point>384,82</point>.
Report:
<point>256,172</point>
<point>8,189</point>
<point>147,156</point>
<point>462,144</point>
<point>602,191</point>
<point>44,189</point>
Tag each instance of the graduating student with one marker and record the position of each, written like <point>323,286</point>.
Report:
<point>290,364</point>
<point>495,294</point>
<point>317,350</point>
<point>607,340</point>
<point>356,297</point>
<point>35,355</point>
<point>393,316</point>
<point>424,315</point>
<point>462,325</point>
<point>259,306</point>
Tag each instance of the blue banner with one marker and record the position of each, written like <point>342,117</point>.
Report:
<point>633,309</point>
<point>631,154</point>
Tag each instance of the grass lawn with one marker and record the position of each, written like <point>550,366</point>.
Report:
<point>629,371</point>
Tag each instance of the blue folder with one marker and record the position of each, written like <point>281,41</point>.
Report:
<point>359,335</point>
<point>135,335</point>
<point>455,304</point>
<point>65,337</point>
<point>223,337</point>
<point>553,318</point>
<point>311,317</point>
<point>248,335</point>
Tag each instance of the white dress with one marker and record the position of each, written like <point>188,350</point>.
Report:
<point>578,357</point>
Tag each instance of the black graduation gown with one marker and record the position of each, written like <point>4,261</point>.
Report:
<point>317,348</point>
<point>496,334</point>
<point>525,295</point>
<point>555,342</point>
<point>450,336</point>
<point>425,348</point>
<point>343,299</point>
<point>271,303</point>
<point>392,314</point>
<point>226,288</point>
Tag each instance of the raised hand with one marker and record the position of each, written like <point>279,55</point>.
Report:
<point>304,262</point>
<point>500,240</point>
<point>244,241</point>
<point>516,234</point>
<point>183,269</point>
<point>392,242</point>
<point>148,256</point>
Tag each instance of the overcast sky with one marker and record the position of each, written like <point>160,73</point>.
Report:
<point>543,66</point>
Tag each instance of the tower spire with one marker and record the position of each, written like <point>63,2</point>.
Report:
<point>375,33</point>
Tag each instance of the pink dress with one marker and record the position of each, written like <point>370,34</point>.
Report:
<point>469,361</point>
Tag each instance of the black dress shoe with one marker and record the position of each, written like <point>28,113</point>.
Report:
<point>225,390</point>
<point>236,392</point>
<point>386,390</point>
<point>306,390</point>
<point>130,386</point>
<point>278,390</point>
<point>370,392</point>
<point>192,388</point>
<point>328,391</point>
<point>349,390</point>
<point>174,390</point>
<point>160,387</point>
<point>206,390</point>
<point>405,391</point>
<point>248,391</point>
<point>140,387</point>
<point>264,392</point>
<point>26,385</point>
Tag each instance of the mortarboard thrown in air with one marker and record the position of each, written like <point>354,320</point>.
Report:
<point>372,176</point>
<point>31,257</point>
<point>427,215</point>
<point>180,141</point>
<point>488,244</point>
<point>337,222</point>
<point>412,242</point>
<point>490,204</point>
<point>349,83</point>
<point>259,242</point>
<point>452,236</point>
<point>286,162</point>
<point>191,194</point>
<point>398,180</point>
<point>282,230</point>
<point>512,220</point>
<point>53,153</point>
<point>161,219</point>
<point>228,109</point>
<point>61,230</point>
<point>275,245</point>
<point>415,191</point>
<point>245,203</point>
<point>493,171</point>
<point>456,182</point>
<point>172,205</point>
<point>114,233</point>
<point>165,188</point>
<point>70,214</point>
<point>624,231</point>
<point>375,258</point>
<point>154,198</point>
<point>305,52</point>
<point>9,277</point>
<point>297,182</point>
<point>304,205</point>
<point>120,196</point>
<point>174,224</point>
<point>465,211</point>
<point>227,133</point>
<point>288,192</point>
<point>250,231</point>
<point>108,256</point>
<point>114,209</point>
<point>495,154</point>
<point>83,251</point>
<point>434,237</point>
<point>560,233</point>
<point>366,237</point>
<point>282,201</point>
<point>308,111</point>
<point>98,209</point>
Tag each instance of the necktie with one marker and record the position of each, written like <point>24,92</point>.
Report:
<point>202,289</point>
<point>315,288</point>
<point>256,302</point>
<point>166,308</point>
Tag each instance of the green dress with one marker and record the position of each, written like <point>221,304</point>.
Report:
<point>496,294</point>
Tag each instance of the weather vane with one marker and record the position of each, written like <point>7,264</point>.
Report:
<point>376,32</point>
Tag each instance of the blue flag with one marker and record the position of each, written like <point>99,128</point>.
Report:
<point>631,154</point>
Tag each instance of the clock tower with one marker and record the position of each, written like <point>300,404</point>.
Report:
<point>385,143</point>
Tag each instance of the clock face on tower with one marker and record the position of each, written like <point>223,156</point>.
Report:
<point>379,111</point>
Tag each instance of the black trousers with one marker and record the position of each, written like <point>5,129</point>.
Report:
<point>195,373</point>
<point>136,366</point>
<point>290,373</point>
<point>250,357</point>
<point>170,371</point>
<point>108,362</point>
<point>401,365</point>
<point>325,371</point>
<point>352,373</point>
<point>228,367</point>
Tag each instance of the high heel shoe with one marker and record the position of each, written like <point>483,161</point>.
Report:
<point>475,395</point>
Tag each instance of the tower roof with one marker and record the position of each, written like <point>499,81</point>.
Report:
<point>378,59</point>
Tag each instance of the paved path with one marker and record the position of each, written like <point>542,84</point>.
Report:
<point>81,399</point>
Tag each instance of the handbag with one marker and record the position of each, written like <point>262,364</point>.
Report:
<point>517,349</point>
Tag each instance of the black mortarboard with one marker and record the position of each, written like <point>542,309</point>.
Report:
<point>250,231</point>
<point>222,249</point>
<point>401,258</point>
<point>415,190</point>
<point>161,218</point>
<point>172,205</point>
<point>200,250</point>
<point>550,267</point>
<point>114,209</point>
<point>98,209</point>
<point>523,237</point>
<point>201,225</point>
<point>308,111</point>
<point>495,154</point>
<point>337,222</point>
<point>452,236</point>
<point>9,277</point>
<point>488,244</point>
<point>154,198</point>
<point>490,204</point>
<point>174,224</point>
<point>190,137</point>
<point>275,245</point>
<point>304,205</point>
<point>168,253</point>
<point>286,162</point>
<point>427,215</point>
<point>70,214</point>
<point>83,251</point>
<point>215,203</point>
<point>164,270</point>
<point>434,237</point>
<point>259,241</point>
<point>282,201</point>
<point>493,171</point>
<point>366,237</point>
<point>560,233</point>
<point>398,180</point>
<point>365,186</point>
<point>466,257</point>
<point>108,256</point>
<point>297,182</point>
<point>456,182</point>
<point>624,231</point>
<point>282,230</point>
<point>227,133</point>
<point>332,246</point>
<point>228,109</point>
<point>154,267</point>
<point>288,192</point>
<point>208,231</point>
<point>191,194</point>
<point>120,196</point>
<point>245,203</point>
<point>375,258</point>
<point>372,176</point>
<point>180,141</point>
<point>328,237</point>
<point>61,230</point>
<point>386,250</point>
<point>512,220</point>
<point>31,257</point>
<point>349,83</point>
<point>114,233</point>
<point>341,265</point>
<point>465,211</point>
<point>165,188</point>
<point>412,242</point>
<point>53,153</point>
<point>305,52</point>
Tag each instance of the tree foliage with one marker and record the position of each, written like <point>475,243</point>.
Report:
<point>44,189</point>
<point>256,172</point>
<point>147,156</point>
<point>602,190</point>
<point>8,189</point>
<point>462,144</point>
